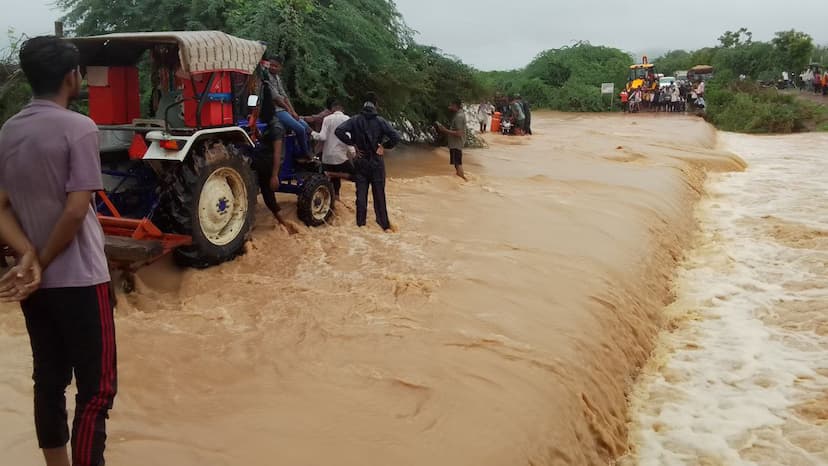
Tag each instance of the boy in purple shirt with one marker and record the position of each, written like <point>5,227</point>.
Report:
<point>49,171</point>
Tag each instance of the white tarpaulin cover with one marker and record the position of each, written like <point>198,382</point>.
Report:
<point>199,51</point>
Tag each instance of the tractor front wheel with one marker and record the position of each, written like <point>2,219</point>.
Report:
<point>315,204</point>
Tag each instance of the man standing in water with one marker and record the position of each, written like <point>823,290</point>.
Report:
<point>527,113</point>
<point>49,170</point>
<point>484,114</point>
<point>517,115</point>
<point>335,158</point>
<point>456,136</point>
<point>371,135</point>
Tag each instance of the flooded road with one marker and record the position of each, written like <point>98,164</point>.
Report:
<point>502,324</point>
<point>742,378</point>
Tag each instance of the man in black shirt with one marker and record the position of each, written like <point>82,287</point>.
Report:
<point>371,135</point>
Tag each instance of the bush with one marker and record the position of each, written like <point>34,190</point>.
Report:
<point>579,97</point>
<point>566,79</point>
<point>746,107</point>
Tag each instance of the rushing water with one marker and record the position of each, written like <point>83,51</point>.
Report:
<point>743,377</point>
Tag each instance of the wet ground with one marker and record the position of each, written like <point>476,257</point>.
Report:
<point>502,324</point>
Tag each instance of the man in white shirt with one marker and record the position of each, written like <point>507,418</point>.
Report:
<point>336,155</point>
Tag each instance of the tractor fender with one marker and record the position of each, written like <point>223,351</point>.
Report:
<point>157,152</point>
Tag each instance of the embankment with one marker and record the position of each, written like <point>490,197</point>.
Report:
<point>502,325</point>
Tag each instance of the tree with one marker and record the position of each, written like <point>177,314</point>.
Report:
<point>734,39</point>
<point>751,60</point>
<point>820,55</point>
<point>674,60</point>
<point>14,91</point>
<point>86,17</point>
<point>795,49</point>
<point>567,79</point>
<point>550,70</point>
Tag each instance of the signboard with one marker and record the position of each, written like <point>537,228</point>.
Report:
<point>607,88</point>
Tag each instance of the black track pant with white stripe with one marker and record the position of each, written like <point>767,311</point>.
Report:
<point>72,331</point>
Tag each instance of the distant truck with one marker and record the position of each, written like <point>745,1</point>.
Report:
<point>666,81</point>
<point>700,73</point>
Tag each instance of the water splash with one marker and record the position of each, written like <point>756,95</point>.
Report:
<point>741,380</point>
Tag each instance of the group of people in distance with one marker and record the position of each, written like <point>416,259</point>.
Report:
<point>513,109</point>
<point>816,81</point>
<point>671,98</point>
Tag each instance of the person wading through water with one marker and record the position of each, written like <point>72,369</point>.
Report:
<point>335,154</point>
<point>371,135</point>
<point>527,113</point>
<point>456,136</point>
<point>50,169</point>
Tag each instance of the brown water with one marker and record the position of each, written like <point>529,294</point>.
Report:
<point>502,325</point>
<point>742,378</point>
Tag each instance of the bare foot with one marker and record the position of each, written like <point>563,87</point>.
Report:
<point>287,227</point>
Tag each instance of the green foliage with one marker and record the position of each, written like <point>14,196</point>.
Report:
<point>566,79</point>
<point>675,60</point>
<point>14,92</point>
<point>87,17</point>
<point>740,55</point>
<point>794,49</point>
<point>820,55</point>
<point>734,39</point>
<point>749,108</point>
<point>752,59</point>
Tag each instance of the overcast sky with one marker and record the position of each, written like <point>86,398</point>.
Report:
<point>504,34</point>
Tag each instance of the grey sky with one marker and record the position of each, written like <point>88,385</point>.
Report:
<point>503,34</point>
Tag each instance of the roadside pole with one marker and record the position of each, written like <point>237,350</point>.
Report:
<point>59,28</point>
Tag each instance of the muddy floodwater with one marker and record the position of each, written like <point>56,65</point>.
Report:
<point>503,323</point>
<point>742,378</point>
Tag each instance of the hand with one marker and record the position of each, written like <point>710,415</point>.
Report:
<point>274,183</point>
<point>22,280</point>
<point>295,116</point>
<point>380,150</point>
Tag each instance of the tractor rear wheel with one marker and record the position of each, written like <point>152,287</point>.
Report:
<point>214,202</point>
<point>315,204</point>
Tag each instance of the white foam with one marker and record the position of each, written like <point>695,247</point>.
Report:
<point>726,393</point>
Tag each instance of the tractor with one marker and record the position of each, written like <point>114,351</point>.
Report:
<point>182,180</point>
